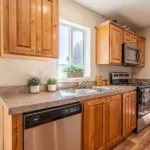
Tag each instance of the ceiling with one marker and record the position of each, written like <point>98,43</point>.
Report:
<point>134,13</point>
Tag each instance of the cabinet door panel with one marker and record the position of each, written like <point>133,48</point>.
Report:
<point>126,113</point>
<point>126,36</point>
<point>129,113</point>
<point>22,36</point>
<point>133,111</point>
<point>116,44</point>
<point>94,125</point>
<point>113,121</point>
<point>142,48</point>
<point>134,39</point>
<point>47,26</point>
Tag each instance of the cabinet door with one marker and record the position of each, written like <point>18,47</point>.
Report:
<point>113,120</point>
<point>116,35</point>
<point>134,39</point>
<point>94,125</point>
<point>142,48</point>
<point>126,36</point>
<point>129,113</point>
<point>126,113</point>
<point>133,111</point>
<point>47,28</point>
<point>22,31</point>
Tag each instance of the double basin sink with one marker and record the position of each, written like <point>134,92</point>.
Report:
<point>85,91</point>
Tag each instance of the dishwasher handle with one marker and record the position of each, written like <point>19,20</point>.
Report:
<point>45,116</point>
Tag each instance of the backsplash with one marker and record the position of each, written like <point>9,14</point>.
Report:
<point>43,87</point>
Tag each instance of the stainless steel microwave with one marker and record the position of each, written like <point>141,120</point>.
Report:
<point>131,54</point>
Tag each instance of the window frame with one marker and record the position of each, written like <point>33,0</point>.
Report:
<point>71,29</point>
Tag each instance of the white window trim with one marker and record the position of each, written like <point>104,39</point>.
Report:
<point>86,30</point>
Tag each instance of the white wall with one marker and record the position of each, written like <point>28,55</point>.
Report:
<point>85,17</point>
<point>16,72</point>
<point>144,72</point>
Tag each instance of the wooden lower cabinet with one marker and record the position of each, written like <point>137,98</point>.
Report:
<point>94,125</point>
<point>113,120</point>
<point>128,113</point>
<point>102,123</point>
<point>12,126</point>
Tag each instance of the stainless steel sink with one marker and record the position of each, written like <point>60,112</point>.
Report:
<point>84,91</point>
<point>77,92</point>
<point>103,88</point>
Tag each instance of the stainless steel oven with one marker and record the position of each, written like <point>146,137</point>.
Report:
<point>143,108</point>
<point>143,102</point>
<point>131,54</point>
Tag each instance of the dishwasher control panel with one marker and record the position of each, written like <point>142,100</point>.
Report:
<point>44,116</point>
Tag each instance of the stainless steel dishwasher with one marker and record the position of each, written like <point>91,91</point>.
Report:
<point>53,129</point>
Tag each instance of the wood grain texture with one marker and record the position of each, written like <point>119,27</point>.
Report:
<point>102,45</point>
<point>47,28</point>
<point>94,125</point>
<point>12,131</point>
<point>22,35</point>
<point>128,113</point>
<point>134,39</point>
<point>126,36</point>
<point>24,23</point>
<point>142,48</point>
<point>116,40</point>
<point>133,110</point>
<point>113,120</point>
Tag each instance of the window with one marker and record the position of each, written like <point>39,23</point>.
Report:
<point>73,47</point>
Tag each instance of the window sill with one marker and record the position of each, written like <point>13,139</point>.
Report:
<point>75,79</point>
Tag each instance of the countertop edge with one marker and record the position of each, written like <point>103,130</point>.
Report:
<point>46,105</point>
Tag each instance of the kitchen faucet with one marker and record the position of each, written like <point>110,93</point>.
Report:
<point>81,83</point>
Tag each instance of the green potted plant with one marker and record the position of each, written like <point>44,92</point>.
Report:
<point>74,71</point>
<point>34,83</point>
<point>51,84</point>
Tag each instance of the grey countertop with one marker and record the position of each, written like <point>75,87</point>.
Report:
<point>23,102</point>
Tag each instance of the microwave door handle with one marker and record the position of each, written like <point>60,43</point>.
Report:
<point>138,56</point>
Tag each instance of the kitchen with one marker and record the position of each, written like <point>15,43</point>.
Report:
<point>19,63</point>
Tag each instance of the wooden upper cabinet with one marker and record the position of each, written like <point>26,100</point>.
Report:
<point>109,39</point>
<point>128,113</point>
<point>30,27</point>
<point>134,39</point>
<point>130,37</point>
<point>113,120</point>
<point>94,125</point>
<point>126,36</point>
<point>22,27</point>
<point>116,41</point>
<point>47,28</point>
<point>142,48</point>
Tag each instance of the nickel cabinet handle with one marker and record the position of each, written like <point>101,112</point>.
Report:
<point>39,49</point>
<point>33,49</point>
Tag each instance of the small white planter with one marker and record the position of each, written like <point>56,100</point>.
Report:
<point>35,89</point>
<point>51,88</point>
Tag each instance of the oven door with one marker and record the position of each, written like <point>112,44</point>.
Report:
<point>131,54</point>
<point>143,102</point>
